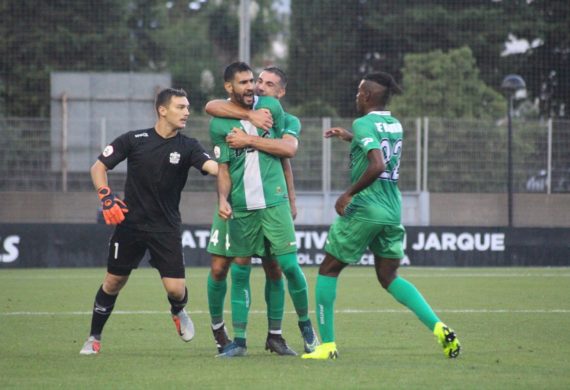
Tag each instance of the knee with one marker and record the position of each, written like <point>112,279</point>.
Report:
<point>272,270</point>
<point>219,270</point>
<point>112,285</point>
<point>385,277</point>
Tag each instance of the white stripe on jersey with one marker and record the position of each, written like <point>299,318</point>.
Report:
<point>253,186</point>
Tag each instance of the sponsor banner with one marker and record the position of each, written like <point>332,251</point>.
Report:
<point>85,245</point>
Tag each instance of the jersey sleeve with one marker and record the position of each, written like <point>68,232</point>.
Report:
<point>218,138</point>
<point>116,151</point>
<point>198,156</point>
<point>292,126</point>
<point>365,136</point>
<point>276,110</point>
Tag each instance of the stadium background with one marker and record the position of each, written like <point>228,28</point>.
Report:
<point>75,74</point>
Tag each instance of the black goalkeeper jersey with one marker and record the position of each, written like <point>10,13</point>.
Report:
<point>157,170</point>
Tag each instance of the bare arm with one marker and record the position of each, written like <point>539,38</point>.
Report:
<point>99,175</point>
<point>224,188</point>
<point>261,119</point>
<point>288,171</point>
<point>339,132</point>
<point>279,147</point>
<point>211,167</point>
<point>375,167</point>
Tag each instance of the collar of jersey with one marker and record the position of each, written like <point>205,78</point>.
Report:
<point>383,113</point>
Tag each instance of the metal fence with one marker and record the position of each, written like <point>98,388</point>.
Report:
<point>462,156</point>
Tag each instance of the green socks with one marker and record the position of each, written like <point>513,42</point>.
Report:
<point>325,293</point>
<point>275,300</point>
<point>241,298</point>
<point>408,295</point>
<point>296,283</point>
<point>216,296</point>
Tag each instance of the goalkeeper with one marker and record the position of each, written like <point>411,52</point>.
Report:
<point>158,161</point>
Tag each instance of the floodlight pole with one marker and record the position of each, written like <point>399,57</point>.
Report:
<point>511,84</point>
<point>510,159</point>
<point>244,31</point>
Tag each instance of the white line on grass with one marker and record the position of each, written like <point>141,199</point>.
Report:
<point>427,274</point>
<point>344,311</point>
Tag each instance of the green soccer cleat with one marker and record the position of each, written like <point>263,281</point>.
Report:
<point>324,351</point>
<point>448,340</point>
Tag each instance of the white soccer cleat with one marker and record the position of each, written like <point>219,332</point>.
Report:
<point>91,347</point>
<point>184,325</point>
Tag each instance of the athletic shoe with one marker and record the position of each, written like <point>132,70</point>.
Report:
<point>232,350</point>
<point>276,343</point>
<point>310,340</point>
<point>221,337</point>
<point>323,352</point>
<point>91,347</point>
<point>448,340</point>
<point>184,325</point>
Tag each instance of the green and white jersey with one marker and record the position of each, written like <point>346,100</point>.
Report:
<point>257,177</point>
<point>381,202</point>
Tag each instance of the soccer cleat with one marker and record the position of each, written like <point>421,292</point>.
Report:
<point>310,340</point>
<point>276,343</point>
<point>91,347</point>
<point>232,350</point>
<point>324,351</point>
<point>184,325</point>
<point>448,340</point>
<point>221,337</point>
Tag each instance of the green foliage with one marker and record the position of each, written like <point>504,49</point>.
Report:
<point>446,85</point>
<point>39,37</point>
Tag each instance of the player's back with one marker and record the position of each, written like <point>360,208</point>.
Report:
<point>381,201</point>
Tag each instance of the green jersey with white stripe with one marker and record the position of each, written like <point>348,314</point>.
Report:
<point>381,202</point>
<point>257,177</point>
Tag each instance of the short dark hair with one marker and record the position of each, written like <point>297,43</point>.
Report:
<point>387,81</point>
<point>280,73</point>
<point>164,96</point>
<point>235,67</point>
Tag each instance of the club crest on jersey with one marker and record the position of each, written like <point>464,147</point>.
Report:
<point>108,151</point>
<point>217,152</point>
<point>174,158</point>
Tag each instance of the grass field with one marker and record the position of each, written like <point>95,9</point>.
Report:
<point>513,323</point>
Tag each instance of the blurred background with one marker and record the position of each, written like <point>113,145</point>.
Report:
<point>74,74</point>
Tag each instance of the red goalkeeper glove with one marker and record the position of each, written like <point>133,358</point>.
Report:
<point>114,209</point>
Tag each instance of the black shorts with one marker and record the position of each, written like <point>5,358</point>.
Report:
<point>128,246</point>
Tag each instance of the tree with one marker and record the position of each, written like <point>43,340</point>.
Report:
<point>546,65</point>
<point>324,52</point>
<point>446,85</point>
<point>37,38</point>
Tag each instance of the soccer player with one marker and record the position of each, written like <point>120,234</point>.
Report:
<point>271,82</point>
<point>158,161</point>
<point>370,216</point>
<point>253,198</point>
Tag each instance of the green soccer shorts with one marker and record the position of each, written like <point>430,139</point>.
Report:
<point>218,236</point>
<point>348,238</point>
<point>250,231</point>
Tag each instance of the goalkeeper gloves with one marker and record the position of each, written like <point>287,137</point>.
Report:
<point>114,209</point>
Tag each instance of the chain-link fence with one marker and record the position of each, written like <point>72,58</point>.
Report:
<point>462,156</point>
